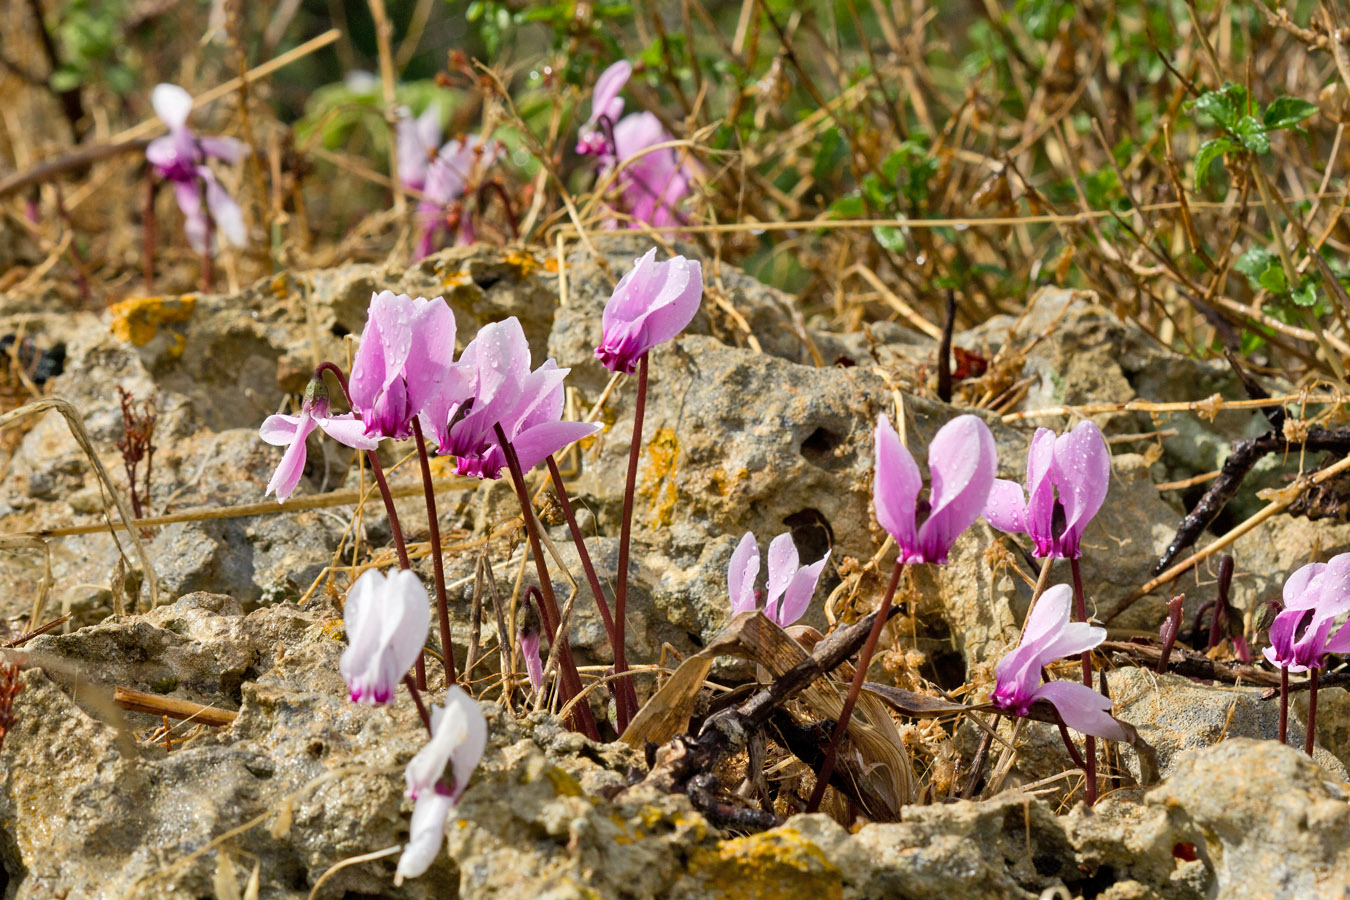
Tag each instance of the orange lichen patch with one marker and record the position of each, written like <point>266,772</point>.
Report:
<point>525,264</point>
<point>723,483</point>
<point>779,863</point>
<point>281,287</point>
<point>552,265</point>
<point>658,483</point>
<point>564,785</point>
<point>138,319</point>
<point>455,280</point>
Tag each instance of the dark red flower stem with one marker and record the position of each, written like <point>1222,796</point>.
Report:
<point>1089,742</point>
<point>1312,711</point>
<point>625,540</point>
<point>854,689</point>
<point>437,565</point>
<point>569,680</point>
<point>625,697</point>
<point>417,701</point>
<point>377,471</point>
<point>1284,704</point>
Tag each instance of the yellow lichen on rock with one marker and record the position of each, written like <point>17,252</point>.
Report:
<point>779,864</point>
<point>138,319</point>
<point>658,483</point>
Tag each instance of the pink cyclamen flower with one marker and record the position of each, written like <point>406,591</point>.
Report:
<point>1049,635</point>
<point>180,157</point>
<point>416,142</point>
<point>1314,596</point>
<point>606,107</point>
<point>386,620</point>
<point>503,391</point>
<point>403,367</point>
<point>291,431</point>
<point>457,165</point>
<point>962,460</point>
<point>458,737</point>
<point>653,302</point>
<point>527,634</point>
<point>651,182</point>
<point>790,584</point>
<point>1076,466</point>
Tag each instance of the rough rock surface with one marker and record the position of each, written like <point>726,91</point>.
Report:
<point>736,439</point>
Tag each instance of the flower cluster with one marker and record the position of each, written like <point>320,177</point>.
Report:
<point>790,584</point>
<point>386,620</point>
<point>1315,596</point>
<point>405,378</point>
<point>181,156</point>
<point>441,172</point>
<point>652,179</point>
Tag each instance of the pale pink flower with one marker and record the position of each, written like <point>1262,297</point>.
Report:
<point>291,431</point>
<point>1314,597</point>
<point>458,165</point>
<point>1072,471</point>
<point>962,460</point>
<point>1049,635</point>
<point>503,391</point>
<point>180,157</point>
<point>653,302</point>
<point>416,142</point>
<point>790,584</point>
<point>458,738</point>
<point>386,620</point>
<point>403,368</point>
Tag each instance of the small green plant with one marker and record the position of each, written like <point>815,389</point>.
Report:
<point>1246,127</point>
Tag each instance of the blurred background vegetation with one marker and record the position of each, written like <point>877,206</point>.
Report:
<point>1185,160</point>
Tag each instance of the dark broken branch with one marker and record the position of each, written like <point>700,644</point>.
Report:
<point>1246,453</point>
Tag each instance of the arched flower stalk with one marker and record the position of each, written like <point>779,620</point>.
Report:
<point>1067,480</point>
<point>962,461</point>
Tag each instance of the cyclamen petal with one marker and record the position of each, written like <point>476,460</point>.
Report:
<point>1082,472</point>
<point>172,104</point>
<point>1082,709</point>
<point>653,302</point>
<point>962,460</point>
<point>1006,508</point>
<point>605,99</point>
<point>783,565</point>
<point>458,737</point>
<point>895,489</point>
<point>426,835</point>
<point>797,597</point>
<point>742,573</point>
<point>387,620</point>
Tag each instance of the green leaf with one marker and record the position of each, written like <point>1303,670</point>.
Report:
<point>1253,135</point>
<point>1305,296</point>
<point>1254,262</point>
<point>1286,112</point>
<point>1209,151</point>
<point>1272,279</point>
<point>890,236</point>
<point>1224,106</point>
<point>849,207</point>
